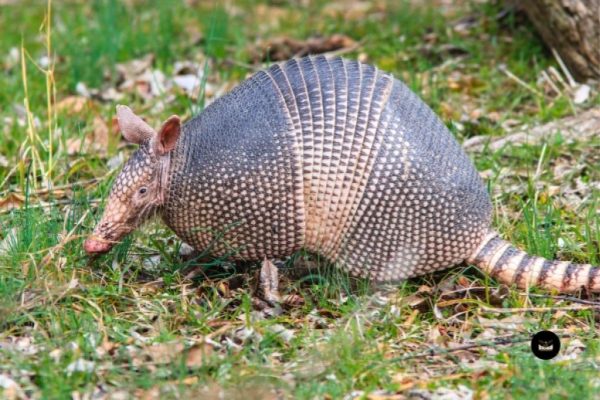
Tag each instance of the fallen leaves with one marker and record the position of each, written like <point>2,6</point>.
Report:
<point>460,82</point>
<point>153,355</point>
<point>564,175</point>
<point>80,365</point>
<point>352,10</point>
<point>11,389</point>
<point>141,79</point>
<point>97,142</point>
<point>158,353</point>
<point>100,133</point>
<point>198,355</point>
<point>73,105</point>
<point>284,48</point>
<point>11,201</point>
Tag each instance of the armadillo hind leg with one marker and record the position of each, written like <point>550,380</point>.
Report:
<point>511,265</point>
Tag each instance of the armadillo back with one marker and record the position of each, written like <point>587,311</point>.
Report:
<point>332,155</point>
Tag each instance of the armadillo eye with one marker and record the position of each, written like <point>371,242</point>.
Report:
<point>143,190</point>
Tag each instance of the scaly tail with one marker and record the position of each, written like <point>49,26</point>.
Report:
<point>508,264</point>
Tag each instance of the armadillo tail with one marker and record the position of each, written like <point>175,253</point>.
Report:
<point>510,265</point>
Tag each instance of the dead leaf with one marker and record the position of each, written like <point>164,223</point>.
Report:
<point>581,127</point>
<point>14,55</point>
<point>163,353</point>
<point>100,134</point>
<point>461,392</point>
<point>190,380</point>
<point>107,347</point>
<point>74,146</point>
<point>72,104</point>
<point>581,94</point>
<point>293,300</point>
<point>80,365</point>
<point>148,394</point>
<point>441,53</point>
<point>188,82</point>
<point>11,201</point>
<point>133,68</point>
<point>9,241</point>
<point>438,336</point>
<point>404,381</point>
<point>425,289</point>
<point>284,333</point>
<point>284,48</point>
<point>150,84</point>
<point>385,395</point>
<point>10,388</point>
<point>460,82</point>
<point>198,354</point>
<point>22,344</point>
<point>98,142</point>
<point>349,11</point>
<point>270,16</point>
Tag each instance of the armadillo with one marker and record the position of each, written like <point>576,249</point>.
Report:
<point>326,154</point>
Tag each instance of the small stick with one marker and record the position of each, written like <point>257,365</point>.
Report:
<point>435,351</point>
<point>343,50</point>
<point>48,190</point>
<point>567,87</point>
<point>46,205</point>
<point>503,68</point>
<point>546,76</point>
<point>537,309</point>
<point>564,69</point>
<point>568,298</point>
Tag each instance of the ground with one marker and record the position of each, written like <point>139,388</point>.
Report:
<point>143,322</point>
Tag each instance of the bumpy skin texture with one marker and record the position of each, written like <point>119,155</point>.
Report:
<point>334,156</point>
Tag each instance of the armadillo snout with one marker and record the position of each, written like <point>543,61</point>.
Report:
<point>94,246</point>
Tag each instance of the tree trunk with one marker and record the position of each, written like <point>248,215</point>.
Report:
<point>572,28</point>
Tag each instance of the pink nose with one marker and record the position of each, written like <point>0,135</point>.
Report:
<point>92,246</point>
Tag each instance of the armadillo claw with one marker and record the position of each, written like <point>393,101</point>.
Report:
<point>93,246</point>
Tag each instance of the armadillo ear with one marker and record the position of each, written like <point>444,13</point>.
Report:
<point>133,128</point>
<point>166,139</point>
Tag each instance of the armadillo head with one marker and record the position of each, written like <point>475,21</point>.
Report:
<point>140,188</point>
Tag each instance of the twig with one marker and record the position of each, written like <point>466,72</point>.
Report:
<point>435,351</point>
<point>222,329</point>
<point>567,298</point>
<point>54,188</point>
<point>12,171</point>
<point>538,170</point>
<point>253,68</point>
<point>47,205</point>
<point>548,79</point>
<point>581,127</point>
<point>568,88</point>
<point>333,53</point>
<point>537,309</point>
<point>512,76</point>
<point>343,50</point>
<point>564,69</point>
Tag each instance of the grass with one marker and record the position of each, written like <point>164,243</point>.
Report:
<point>142,322</point>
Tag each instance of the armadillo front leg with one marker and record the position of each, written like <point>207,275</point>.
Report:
<point>269,282</point>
